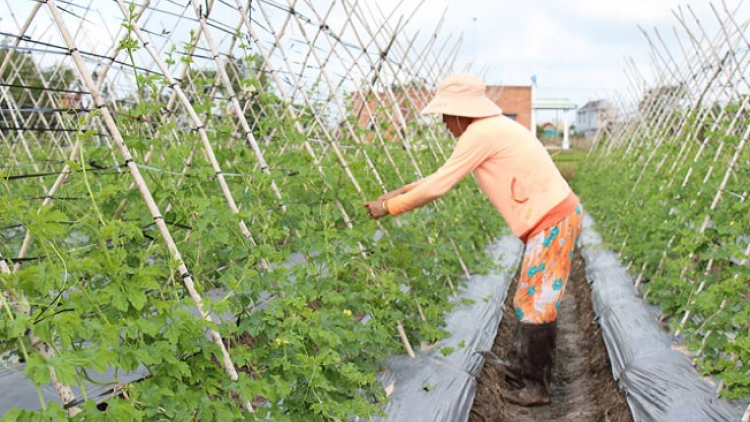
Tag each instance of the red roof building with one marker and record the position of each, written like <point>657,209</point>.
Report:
<point>382,108</point>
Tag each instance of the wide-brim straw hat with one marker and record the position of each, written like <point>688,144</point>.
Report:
<point>462,95</point>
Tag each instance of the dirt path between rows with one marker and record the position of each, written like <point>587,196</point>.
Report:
<point>582,385</point>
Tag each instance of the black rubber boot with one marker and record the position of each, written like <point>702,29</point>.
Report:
<point>528,369</point>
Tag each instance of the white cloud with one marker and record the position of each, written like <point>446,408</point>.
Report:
<point>577,48</point>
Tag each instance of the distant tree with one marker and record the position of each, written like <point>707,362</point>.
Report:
<point>61,79</point>
<point>18,76</point>
<point>662,97</point>
<point>26,82</point>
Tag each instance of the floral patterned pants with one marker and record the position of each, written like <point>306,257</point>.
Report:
<point>546,266</point>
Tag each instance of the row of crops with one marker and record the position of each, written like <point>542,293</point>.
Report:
<point>668,186</point>
<point>194,213</point>
<point>182,189</point>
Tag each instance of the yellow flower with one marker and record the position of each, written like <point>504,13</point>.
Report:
<point>347,312</point>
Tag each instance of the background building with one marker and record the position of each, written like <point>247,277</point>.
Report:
<point>593,116</point>
<point>384,110</point>
<point>514,100</point>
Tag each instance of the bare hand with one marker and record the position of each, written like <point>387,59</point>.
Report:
<point>375,208</point>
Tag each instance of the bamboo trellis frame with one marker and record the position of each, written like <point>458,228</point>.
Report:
<point>707,71</point>
<point>105,76</point>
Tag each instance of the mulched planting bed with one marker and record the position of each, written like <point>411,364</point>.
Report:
<point>582,386</point>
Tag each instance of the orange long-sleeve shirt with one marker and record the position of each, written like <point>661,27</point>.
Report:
<point>512,168</point>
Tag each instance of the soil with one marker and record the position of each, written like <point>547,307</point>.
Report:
<point>582,386</point>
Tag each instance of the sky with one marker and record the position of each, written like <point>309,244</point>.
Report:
<point>577,49</point>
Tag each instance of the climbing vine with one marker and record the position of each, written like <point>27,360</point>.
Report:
<point>307,306</point>
<point>686,249</point>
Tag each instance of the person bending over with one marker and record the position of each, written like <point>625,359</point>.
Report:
<point>519,177</point>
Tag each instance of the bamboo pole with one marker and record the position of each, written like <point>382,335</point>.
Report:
<point>145,192</point>
<point>199,125</point>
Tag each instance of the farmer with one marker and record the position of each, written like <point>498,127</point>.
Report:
<point>517,174</point>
